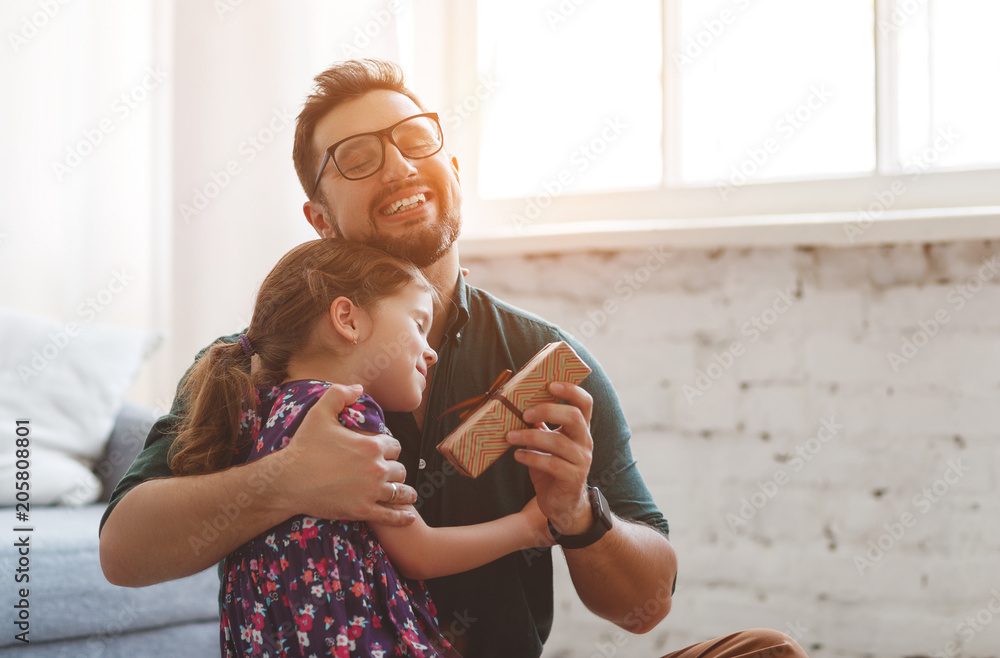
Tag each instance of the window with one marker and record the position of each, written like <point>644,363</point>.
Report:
<point>597,123</point>
<point>668,109</point>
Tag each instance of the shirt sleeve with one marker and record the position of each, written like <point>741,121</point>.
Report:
<point>364,415</point>
<point>151,463</point>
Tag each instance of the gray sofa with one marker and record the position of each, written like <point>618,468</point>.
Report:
<point>73,610</point>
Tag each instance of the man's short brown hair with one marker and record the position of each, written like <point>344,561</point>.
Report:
<point>341,82</point>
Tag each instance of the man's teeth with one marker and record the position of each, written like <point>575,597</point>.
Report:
<point>405,204</point>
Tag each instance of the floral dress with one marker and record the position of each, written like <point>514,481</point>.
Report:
<point>316,587</point>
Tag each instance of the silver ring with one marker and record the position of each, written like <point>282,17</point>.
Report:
<point>393,496</point>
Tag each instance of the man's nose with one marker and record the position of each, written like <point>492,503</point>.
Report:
<point>396,166</point>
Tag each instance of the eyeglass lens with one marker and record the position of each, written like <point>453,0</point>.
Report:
<point>361,156</point>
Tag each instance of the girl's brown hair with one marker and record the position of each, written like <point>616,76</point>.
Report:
<point>294,295</point>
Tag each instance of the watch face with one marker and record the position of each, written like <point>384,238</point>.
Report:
<point>599,505</point>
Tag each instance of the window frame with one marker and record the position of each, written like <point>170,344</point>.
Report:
<point>887,204</point>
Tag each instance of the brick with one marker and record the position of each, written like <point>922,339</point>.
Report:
<point>898,311</point>
<point>956,261</point>
<point>937,412</point>
<point>840,268</point>
<point>953,355</point>
<point>713,409</point>
<point>770,358</point>
<point>773,408</point>
<point>900,265</point>
<point>838,357</point>
<point>676,315</point>
<point>979,310</point>
<point>752,270</point>
<point>842,311</point>
<point>762,312</point>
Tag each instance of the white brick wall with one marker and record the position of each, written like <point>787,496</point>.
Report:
<point>657,319</point>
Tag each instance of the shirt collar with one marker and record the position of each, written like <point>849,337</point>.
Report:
<point>458,314</point>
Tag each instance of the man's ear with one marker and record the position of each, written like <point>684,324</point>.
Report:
<point>348,320</point>
<point>318,218</point>
<point>454,164</point>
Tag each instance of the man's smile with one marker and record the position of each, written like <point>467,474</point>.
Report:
<point>402,205</point>
<point>404,200</point>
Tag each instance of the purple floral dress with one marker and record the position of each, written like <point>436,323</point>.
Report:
<point>316,587</point>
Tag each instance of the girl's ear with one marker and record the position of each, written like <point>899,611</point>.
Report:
<point>348,319</point>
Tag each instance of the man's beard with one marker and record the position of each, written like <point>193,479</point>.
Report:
<point>424,245</point>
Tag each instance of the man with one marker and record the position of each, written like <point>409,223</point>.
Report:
<point>371,160</point>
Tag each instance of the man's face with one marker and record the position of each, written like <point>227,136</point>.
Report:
<point>368,210</point>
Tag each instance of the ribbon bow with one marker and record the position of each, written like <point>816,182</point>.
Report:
<point>474,403</point>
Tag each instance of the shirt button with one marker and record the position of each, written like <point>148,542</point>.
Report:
<point>422,465</point>
<point>459,335</point>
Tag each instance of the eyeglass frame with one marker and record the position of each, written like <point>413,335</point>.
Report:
<point>385,132</point>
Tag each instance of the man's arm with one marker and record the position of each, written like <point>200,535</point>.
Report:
<point>173,527</point>
<point>627,576</point>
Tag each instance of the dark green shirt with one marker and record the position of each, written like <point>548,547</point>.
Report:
<point>505,608</point>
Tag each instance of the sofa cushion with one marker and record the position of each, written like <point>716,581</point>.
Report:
<point>185,641</point>
<point>69,597</point>
<point>131,427</point>
<point>69,379</point>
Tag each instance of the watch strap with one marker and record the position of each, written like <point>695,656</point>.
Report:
<point>602,523</point>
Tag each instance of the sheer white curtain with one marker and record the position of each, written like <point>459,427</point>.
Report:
<point>147,178</point>
<point>85,89</point>
<point>241,78</point>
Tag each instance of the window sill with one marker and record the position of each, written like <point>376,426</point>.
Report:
<point>828,229</point>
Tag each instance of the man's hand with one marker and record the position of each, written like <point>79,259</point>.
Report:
<point>559,461</point>
<point>331,472</point>
<point>168,528</point>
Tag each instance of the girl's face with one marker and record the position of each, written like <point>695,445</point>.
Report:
<point>396,354</point>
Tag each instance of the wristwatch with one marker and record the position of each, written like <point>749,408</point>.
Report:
<point>602,523</point>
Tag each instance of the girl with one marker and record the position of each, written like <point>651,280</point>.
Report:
<point>330,311</point>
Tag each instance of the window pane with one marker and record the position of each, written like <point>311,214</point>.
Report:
<point>578,102</point>
<point>782,89</point>
<point>948,110</point>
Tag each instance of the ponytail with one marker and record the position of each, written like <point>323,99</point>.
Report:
<point>220,391</point>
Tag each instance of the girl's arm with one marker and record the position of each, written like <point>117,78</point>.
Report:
<point>419,551</point>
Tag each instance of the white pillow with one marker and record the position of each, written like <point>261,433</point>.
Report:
<point>69,379</point>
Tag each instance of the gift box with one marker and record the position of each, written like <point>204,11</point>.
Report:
<point>481,437</point>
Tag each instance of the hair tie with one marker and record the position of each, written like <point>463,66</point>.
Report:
<point>245,343</point>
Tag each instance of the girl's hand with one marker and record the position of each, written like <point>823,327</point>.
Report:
<point>536,525</point>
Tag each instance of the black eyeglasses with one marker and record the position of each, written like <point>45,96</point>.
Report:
<point>361,156</point>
